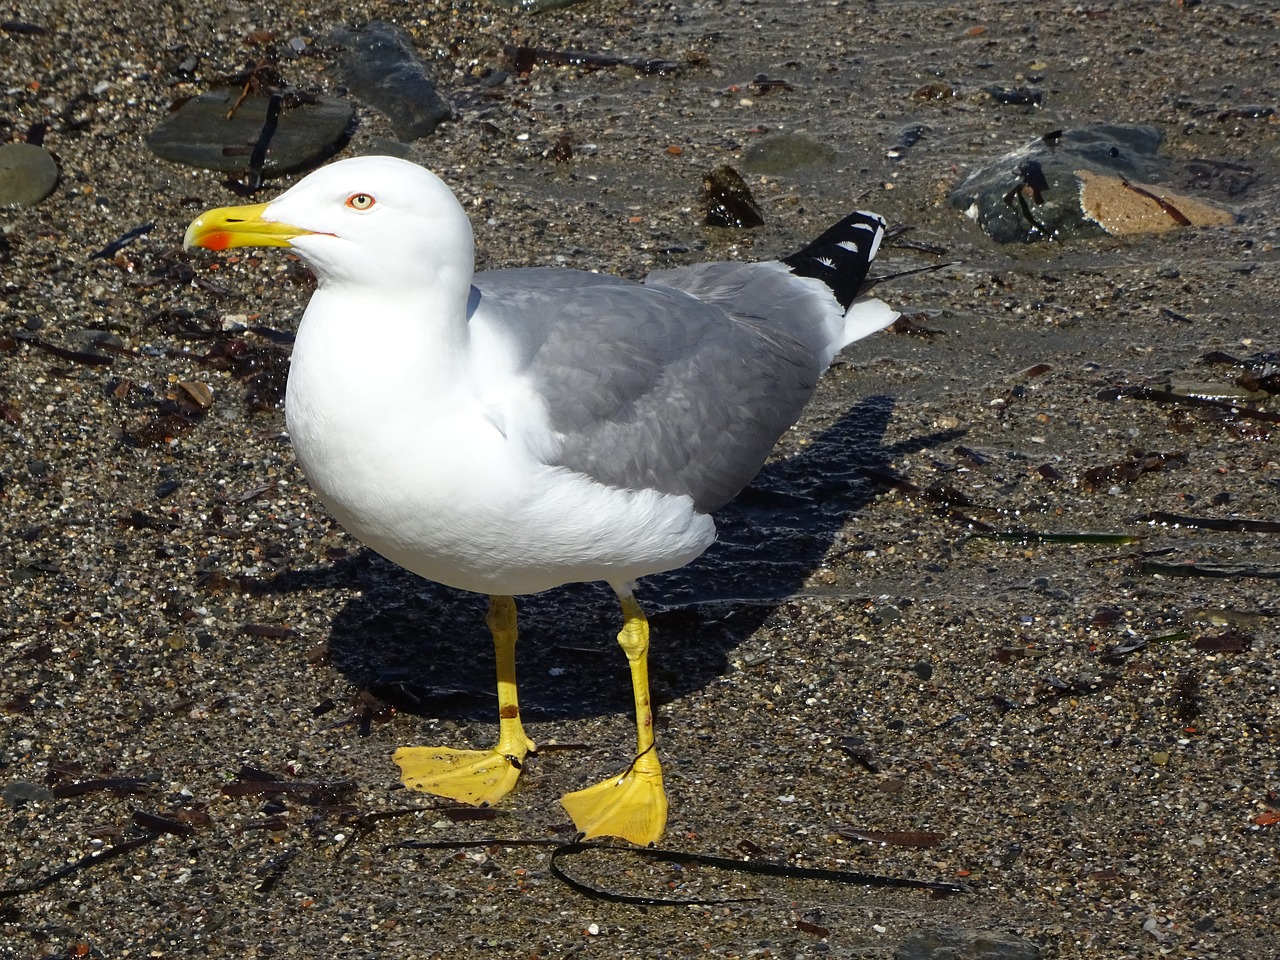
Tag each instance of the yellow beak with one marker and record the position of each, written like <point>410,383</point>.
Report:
<point>227,227</point>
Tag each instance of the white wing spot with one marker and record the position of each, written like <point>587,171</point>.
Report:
<point>826,262</point>
<point>848,245</point>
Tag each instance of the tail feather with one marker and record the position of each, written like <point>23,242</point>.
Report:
<point>841,257</point>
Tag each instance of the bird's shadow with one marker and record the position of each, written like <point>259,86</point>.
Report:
<point>424,648</point>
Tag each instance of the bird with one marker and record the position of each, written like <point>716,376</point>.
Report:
<point>505,432</point>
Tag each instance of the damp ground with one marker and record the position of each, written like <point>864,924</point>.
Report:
<point>902,635</point>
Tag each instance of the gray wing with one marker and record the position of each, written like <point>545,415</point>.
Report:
<point>651,387</point>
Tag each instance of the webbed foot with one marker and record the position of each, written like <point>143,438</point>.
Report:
<point>480,777</point>
<point>632,806</point>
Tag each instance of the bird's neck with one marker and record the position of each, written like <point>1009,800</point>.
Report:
<point>373,347</point>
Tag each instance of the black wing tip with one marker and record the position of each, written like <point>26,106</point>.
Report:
<point>841,257</point>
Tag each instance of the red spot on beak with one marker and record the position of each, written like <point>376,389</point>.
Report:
<point>218,240</point>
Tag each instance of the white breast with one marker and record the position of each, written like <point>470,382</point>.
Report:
<point>450,482</point>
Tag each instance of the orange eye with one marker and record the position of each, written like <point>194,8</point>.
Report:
<point>360,201</point>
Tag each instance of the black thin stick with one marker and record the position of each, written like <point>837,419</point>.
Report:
<point>259,156</point>
<point>673,856</point>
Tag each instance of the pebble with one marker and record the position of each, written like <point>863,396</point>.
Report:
<point>28,174</point>
<point>784,153</point>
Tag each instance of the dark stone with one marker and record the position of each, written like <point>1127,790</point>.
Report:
<point>16,793</point>
<point>729,200</point>
<point>381,67</point>
<point>1015,96</point>
<point>201,135</point>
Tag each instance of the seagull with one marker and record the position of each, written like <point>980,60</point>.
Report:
<point>509,431</point>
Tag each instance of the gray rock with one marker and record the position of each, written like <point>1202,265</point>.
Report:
<point>16,793</point>
<point>201,135</point>
<point>27,174</point>
<point>966,945</point>
<point>382,68</point>
<point>385,147</point>
<point>784,153</point>
<point>1033,193</point>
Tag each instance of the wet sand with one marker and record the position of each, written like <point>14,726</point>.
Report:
<point>1091,728</point>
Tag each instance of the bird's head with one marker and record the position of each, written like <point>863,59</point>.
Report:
<point>378,220</point>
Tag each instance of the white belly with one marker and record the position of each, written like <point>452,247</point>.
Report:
<point>452,499</point>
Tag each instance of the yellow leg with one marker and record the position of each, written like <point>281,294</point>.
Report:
<point>633,805</point>
<point>481,777</point>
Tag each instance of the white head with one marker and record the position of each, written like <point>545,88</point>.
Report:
<point>365,220</point>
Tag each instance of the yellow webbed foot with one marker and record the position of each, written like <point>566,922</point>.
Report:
<point>480,777</point>
<point>632,806</point>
